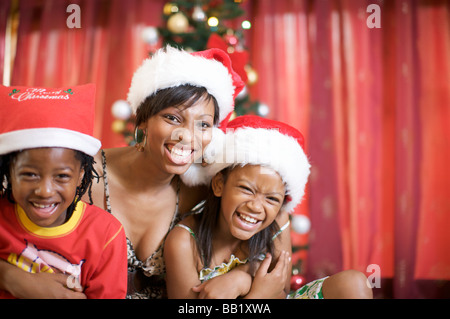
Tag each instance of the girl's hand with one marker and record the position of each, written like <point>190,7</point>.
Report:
<point>270,285</point>
<point>231,285</point>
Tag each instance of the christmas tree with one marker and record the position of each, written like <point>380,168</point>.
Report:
<point>196,25</point>
<point>191,23</point>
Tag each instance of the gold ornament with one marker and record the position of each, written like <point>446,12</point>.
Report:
<point>252,75</point>
<point>118,126</point>
<point>170,8</point>
<point>178,23</point>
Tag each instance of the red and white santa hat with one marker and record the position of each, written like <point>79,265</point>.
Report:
<point>33,117</point>
<point>171,67</point>
<point>251,139</point>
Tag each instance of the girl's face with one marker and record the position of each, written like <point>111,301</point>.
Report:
<point>44,182</point>
<point>252,196</point>
<point>176,136</point>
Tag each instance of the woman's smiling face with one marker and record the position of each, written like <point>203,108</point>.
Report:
<point>44,183</point>
<point>252,196</point>
<point>176,136</point>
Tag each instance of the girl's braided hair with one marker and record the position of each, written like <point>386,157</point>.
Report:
<point>87,164</point>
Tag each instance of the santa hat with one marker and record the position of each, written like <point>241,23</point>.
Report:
<point>171,67</point>
<point>251,139</point>
<point>33,117</point>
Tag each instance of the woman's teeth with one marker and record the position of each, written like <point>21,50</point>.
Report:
<point>180,153</point>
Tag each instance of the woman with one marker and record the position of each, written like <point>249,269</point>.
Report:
<point>178,99</point>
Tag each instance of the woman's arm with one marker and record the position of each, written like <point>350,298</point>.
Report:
<point>22,284</point>
<point>270,285</point>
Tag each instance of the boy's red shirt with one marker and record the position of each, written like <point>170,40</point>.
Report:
<point>89,247</point>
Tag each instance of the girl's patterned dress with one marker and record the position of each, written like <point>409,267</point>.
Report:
<point>312,290</point>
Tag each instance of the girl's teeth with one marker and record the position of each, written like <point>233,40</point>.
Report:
<point>248,219</point>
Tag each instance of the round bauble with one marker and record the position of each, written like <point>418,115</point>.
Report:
<point>121,110</point>
<point>178,23</point>
<point>300,224</point>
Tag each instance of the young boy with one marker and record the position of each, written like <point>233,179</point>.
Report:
<point>46,165</point>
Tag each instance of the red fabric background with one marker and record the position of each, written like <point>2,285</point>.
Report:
<point>374,106</point>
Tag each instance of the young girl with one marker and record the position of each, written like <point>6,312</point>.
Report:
<point>46,165</point>
<point>258,170</point>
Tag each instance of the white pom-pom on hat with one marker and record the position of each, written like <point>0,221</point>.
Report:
<point>171,67</point>
<point>255,140</point>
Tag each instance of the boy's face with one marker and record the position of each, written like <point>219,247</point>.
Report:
<point>252,196</point>
<point>44,182</point>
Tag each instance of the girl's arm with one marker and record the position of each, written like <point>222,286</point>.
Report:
<point>180,260</point>
<point>22,284</point>
<point>225,286</point>
<point>283,243</point>
<point>238,282</point>
<point>233,284</point>
<point>182,275</point>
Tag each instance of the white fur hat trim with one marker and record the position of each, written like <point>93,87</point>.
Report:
<point>171,67</point>
<point>257,146</point>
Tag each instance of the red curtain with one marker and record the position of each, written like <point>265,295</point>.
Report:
<point>4,15</point>
<point>373,104</point>
<point>106,50</point>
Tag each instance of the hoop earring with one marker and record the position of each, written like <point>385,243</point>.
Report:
<point>140,146</point>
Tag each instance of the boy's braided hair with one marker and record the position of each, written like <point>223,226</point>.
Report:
<point>87,164</point>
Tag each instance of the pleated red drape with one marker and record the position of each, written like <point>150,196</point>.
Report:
<point>106,50</point>
<point>374,106</point>
<point>4,14</point>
